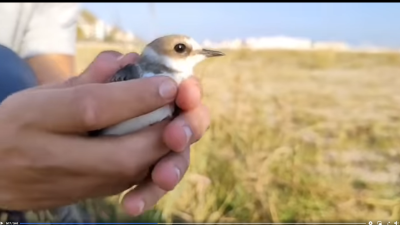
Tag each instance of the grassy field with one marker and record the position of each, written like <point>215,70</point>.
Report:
<point>295,137</point>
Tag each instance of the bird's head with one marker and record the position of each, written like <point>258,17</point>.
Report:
<point>178,52</point>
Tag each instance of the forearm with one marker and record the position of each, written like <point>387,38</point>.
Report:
<point>52,68</point>
<point>49,41</point>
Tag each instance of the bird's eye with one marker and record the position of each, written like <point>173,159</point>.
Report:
<point>180,48</point>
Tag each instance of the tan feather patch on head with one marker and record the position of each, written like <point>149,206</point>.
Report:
<point>168,46</point>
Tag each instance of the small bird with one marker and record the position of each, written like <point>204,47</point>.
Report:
<point>172,55</point>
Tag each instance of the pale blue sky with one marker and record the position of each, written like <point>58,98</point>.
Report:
<point>355,23</point>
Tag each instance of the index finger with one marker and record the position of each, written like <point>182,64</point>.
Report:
<point>90,107</point>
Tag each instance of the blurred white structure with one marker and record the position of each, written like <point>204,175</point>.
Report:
<point>336,46</point>
<point>279,42</point>
<point>288,43</point>
<point>86,26</point>
<point>98,30</point>
<point>101,30</point>
<point>233,44</point>
<point>123,36</point>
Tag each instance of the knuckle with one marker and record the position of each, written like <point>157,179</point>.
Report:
<point>87,106</point>
<point>184,162</point>
<point>71,81</point>
<point>126,166</point>
<point>201,125</point>
<point>197,136</point>
<point>196,128</point>
<point>130,58</point>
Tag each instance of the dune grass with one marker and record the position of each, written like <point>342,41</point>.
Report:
<point>295,137</point>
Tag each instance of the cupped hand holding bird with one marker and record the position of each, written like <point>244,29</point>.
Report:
<point>47,160</point>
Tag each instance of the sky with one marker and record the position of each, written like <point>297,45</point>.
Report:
<point>375,24</point>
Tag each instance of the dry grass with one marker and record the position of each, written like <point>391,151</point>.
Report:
<point>295,137</point>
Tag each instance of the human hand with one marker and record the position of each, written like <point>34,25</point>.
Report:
<point>41,125</point>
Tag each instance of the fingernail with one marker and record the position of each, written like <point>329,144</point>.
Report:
<point>168,89</point>
<point>188,133</point>
<point>120,57</point>
<point>139,206</point>
<point>178,173</point>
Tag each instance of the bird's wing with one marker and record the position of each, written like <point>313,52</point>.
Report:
<point>129,72</point>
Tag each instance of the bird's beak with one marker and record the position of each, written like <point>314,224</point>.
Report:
<point>211,53</point>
